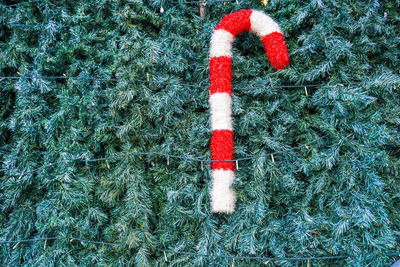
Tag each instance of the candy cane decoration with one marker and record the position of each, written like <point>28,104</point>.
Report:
<point>223,198</point>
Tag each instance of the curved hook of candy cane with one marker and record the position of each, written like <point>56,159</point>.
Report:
<point>223,197</point>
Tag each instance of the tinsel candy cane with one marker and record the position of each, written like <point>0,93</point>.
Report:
<point>223,197</point>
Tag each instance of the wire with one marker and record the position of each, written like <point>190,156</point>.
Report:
<point>397,253</point>
<point>24,26</point>
<point>182,84</point>
<point>27,240</point>
<point>94,242</point>
<point>118,156</point>
<point>58,77</point>
<point>203,2</point>
<point>55,238</point>
<point>64,160</point>
<point>274,259</point>
<point>168,155</point>
<point>186,2</point>
<point>256,257</point>
<point>17,4</point>
<point>195,86</point>
<point>141,81</point>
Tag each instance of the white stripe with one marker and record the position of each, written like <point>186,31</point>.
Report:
<point>262,24</point>
<point>223,198</point>
<point>221,43</point>
<point>221,111</point>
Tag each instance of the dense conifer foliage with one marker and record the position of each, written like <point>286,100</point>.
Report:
<point>96,94</point>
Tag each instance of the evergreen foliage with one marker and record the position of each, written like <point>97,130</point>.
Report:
<point>97,82</point>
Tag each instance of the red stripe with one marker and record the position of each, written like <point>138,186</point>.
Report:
<point>236,23</point>
<point>222,149</point>
<point>276,50</point>
<point>220,75</point>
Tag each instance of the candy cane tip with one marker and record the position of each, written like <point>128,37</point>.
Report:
<point>276,50</point>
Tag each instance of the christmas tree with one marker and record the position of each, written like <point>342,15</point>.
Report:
<point>105,135</point>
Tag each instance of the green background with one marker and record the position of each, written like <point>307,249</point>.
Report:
<point>97,82</point>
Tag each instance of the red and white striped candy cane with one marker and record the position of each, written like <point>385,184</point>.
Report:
<point>223,198</point>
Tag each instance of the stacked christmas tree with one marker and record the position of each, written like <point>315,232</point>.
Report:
<point>105,135</point>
